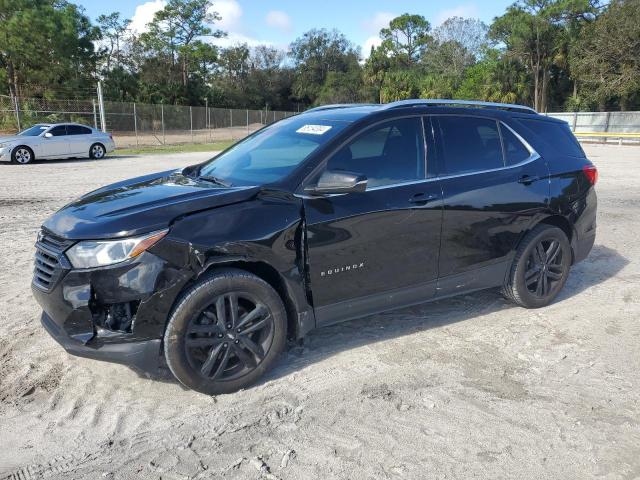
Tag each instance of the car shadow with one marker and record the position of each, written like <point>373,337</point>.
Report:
<point>602,264</point>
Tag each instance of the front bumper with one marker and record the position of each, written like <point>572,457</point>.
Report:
<point>77,303</point>
<point>5,154</point>
<point>143,355</point>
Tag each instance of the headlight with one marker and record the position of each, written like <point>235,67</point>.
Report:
<point>99,253</point>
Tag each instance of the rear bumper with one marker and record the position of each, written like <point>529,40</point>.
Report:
<point>583,246</point>
<point>143,355</point>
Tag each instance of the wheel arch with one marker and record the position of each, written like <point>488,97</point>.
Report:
<point>269,274</point>
<point>555,220</point>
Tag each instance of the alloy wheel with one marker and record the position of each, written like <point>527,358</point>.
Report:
<point>545,268</point>
<point>23,155</point>
<point>97,151</point>
<point>230,337</point>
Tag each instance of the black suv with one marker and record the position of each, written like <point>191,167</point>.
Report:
<point>337,213</point>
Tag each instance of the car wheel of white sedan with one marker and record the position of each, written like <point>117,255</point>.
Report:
<point>22,155</point>
<point>97,151</point>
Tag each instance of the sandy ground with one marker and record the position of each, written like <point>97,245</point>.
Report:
<point>470,387</point>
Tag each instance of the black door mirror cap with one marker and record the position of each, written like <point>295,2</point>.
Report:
<point>335,182</point>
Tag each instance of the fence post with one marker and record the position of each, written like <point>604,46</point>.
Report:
<point>164,140</point>
<point>606,126</point>
<point>135,123</point>
<point>231,122</point>
<point>16,105</point>
<point>247,121</point>
<point>575,120</point>
<point>103,119</point>
<point>95,115</point>
<point>191,122</point>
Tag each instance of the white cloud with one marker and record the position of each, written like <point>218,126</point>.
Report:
<point>380,20</point>
<point>235,38</point>
<point>465,11</point>
<point>374,41</point>
<point>144,14</point>
<point>278,19</point>
<point>230,13</point>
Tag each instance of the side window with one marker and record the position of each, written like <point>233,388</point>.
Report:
<point>77,130</point>
<point>469,144</point>
<point>389,153</point>
<point>514,151</point>
<point>58,131</point>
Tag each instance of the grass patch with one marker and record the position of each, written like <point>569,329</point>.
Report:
<point>183,148</point>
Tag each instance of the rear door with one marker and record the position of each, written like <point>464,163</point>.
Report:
<point>55,146</point>
<point>493,186</point>
<point>79,139</point>
<point>377,249</point>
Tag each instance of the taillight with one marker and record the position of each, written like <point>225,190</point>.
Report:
<point>591,172</point>
<point>111,136</point>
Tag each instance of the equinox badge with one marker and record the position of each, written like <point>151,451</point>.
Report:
<point>346,268</point>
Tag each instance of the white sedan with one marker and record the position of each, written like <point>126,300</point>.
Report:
<point>59,140</point>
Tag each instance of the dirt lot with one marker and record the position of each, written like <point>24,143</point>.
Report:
<point>470,387</point>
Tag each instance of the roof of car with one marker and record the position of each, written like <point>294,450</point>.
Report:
<point>352,112</point>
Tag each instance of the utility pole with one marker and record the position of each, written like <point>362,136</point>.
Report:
<point>103,120</point>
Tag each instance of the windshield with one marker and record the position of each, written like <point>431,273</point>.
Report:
<point>34,131</point>
<point>272,153</point>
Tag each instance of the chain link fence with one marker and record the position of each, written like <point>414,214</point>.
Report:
<point>136,124</point>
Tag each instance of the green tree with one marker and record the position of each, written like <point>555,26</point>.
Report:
<point>315,55</point>
<point>405,39</point>
<point>606,58</point>
<point>46,42</point>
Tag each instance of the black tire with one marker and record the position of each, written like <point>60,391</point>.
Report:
<point>22,155</point>
<point>95,149</point>
<point>540,268</point>
<point>202,332</point>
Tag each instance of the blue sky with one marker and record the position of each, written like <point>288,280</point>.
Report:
<point>278,22</point>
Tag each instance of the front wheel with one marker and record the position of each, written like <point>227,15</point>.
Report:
<point>226,331</point>
<point>22,155</point>
<point>540,268</point>
<point>97,151</point>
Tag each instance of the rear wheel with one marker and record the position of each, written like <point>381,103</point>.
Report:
<point>22,155</point>
<point>540,268</point>
<point>97,151</point>
<point>226,331</point>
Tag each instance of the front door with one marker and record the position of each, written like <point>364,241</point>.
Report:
<point>377,249</point>
<point>56,145</point>
<point>493,186</point>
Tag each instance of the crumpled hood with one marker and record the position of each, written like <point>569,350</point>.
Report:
<point>140,205</point>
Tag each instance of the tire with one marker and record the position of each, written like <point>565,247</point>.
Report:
<point>97,151</point>
<point>539,271</point>
<point>213,351</point>
<point>22,155</point>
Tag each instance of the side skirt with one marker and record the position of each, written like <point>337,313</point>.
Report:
<point>478,279</point>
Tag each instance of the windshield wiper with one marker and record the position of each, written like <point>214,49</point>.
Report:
<point>216,180</point>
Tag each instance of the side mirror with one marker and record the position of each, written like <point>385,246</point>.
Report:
<point>48,135</point>
<point>338,182</point>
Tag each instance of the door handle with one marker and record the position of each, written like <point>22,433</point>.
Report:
<point>528,179</point>
<point>422,198</point>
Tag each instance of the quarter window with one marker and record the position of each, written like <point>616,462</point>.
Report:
<point>389,153</point>
<point>77,130</point>
<point>469,144</point>
<point>514,151</point>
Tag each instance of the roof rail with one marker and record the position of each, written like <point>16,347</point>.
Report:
<point>340,105</point>
<point>465,103</point>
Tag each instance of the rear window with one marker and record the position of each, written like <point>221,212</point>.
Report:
<point>557,135</point>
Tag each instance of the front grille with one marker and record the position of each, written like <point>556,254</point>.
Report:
<point>50,263</point>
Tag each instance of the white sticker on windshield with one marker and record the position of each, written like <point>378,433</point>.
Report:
<point>314,129</point>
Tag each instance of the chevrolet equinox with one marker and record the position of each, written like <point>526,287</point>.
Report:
<point>337,213</point>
